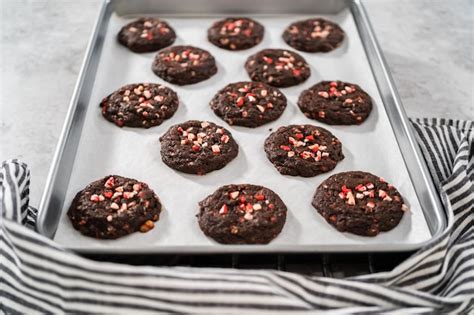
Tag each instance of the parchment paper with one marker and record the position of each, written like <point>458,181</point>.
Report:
<point>106,149</point>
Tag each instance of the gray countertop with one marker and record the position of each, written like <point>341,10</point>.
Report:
<point>428,46</point>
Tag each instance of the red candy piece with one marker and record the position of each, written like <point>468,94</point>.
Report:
<point>268,60</point>
<point>240,101</point>
<point>224,209</point>
<point>344,189</point>
<point>110,182</point>
<point>108,194</point>
<point>361,187</point>
<point>225,138</point>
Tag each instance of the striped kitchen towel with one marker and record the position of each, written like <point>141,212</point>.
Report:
<point>37,276</point>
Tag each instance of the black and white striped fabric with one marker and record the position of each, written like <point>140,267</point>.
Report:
<point>37,276</point>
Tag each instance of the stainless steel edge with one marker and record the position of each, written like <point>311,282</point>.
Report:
<point>253,249</point>
<point>206,7</point>
<point>86,73</point>
<point>411,153</point>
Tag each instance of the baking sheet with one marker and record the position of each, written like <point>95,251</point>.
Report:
<point>105,149</point>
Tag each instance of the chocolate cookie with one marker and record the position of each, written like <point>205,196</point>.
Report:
<point>140,105</point>
<point>114,206</point>
<point>249,104</point>
<point>314,35</point>
<point>146,35</point>
<point>303,150</point>
<point>184,65</point>
<point>277,67</point>
<point>235,33</point>
<point>197,147</point>
<point>242,214</point>
<point>359,203</point>
<point>336,103</point>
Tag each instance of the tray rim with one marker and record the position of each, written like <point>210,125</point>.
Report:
<point>393,106</point>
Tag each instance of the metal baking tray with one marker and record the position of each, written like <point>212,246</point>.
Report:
<point>90,147</point>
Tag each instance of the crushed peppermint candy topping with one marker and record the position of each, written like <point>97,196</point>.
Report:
<point>185,57</point>
<point>286,62</point>
<point>97,198</point>
<point>323,94</point>
<point>110,182</point>
<point>206,137</point>
<point>252,95</point>
<point>362,191</point>
<point>151,29</point>
<point>338,89</point>
<point>248,216</point>
<point>146,100</point>
<point>244,204</point>
<point>306,144</point>
<point>114,206</point>
<point>234,194</point>
<point>215,148</point>
<point>225,138</point>
<point>341,92</point>
<point>116,195</point>
<point>236,27</point>
<point>120,195</point>
<point>129,194</point>
<point>350,198</point>
<point>224,209</point>
<point>321,32</point>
